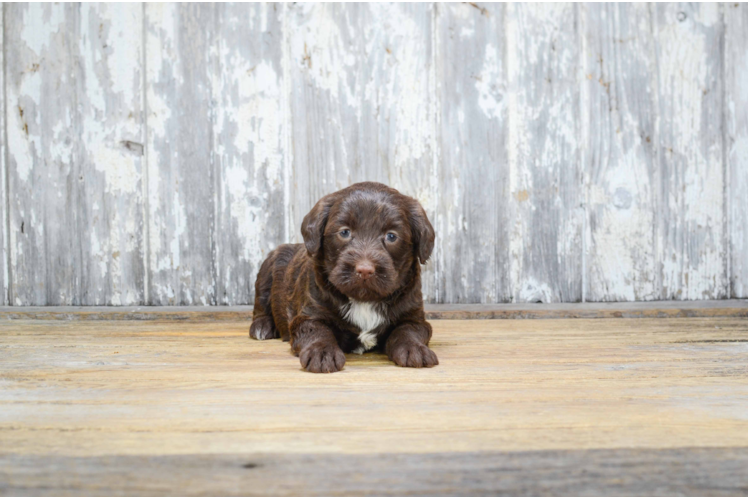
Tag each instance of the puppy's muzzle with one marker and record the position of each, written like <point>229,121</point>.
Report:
<point>365,270</point>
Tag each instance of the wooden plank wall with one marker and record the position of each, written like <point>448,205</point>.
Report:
<point>473,166</point>
<point>692,252</point>
<point>736,144</point>
<point>154,154</point>
<point>620,166</point>
<point>74,155</point>
<point>4,278</point>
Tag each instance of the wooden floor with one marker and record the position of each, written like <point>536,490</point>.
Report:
<point>516,407</point>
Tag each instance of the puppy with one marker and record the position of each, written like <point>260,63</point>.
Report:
<point>355,283</point>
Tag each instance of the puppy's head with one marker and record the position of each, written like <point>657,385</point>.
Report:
<point>367,238</point>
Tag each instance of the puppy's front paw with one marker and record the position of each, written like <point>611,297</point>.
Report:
<point>413,355</point>
<point>322,358</point>
<point>262,328</point>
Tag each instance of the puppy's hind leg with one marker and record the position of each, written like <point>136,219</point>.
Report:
<point>263,326</point>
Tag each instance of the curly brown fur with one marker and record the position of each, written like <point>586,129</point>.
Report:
<point>353,285</point>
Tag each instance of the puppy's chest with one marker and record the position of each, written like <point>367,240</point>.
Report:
<point>368,316</point>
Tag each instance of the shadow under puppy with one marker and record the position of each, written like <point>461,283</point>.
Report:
<point>355,283</point>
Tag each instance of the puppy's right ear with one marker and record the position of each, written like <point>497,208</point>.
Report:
<point>313,225</point>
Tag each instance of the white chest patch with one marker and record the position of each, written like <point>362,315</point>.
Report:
<point>365,316</point>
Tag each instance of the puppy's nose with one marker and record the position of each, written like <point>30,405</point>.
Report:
<point>365,269</point>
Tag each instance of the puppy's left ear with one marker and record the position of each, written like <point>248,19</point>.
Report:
<point>423,232</point>
<point>313,225</point>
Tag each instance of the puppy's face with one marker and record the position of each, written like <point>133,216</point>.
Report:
<point>367,246</point>
<point>370,237</point>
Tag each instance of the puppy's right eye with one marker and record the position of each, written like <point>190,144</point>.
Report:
<point>345,233</point>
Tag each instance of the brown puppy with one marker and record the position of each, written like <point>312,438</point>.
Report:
<point>355,283</point>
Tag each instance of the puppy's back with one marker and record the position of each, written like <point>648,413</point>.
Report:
<point>269,318</point>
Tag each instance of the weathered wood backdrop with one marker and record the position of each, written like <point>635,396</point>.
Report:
<point>154,154</point>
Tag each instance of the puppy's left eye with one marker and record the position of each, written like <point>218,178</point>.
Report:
<point>391,237</point>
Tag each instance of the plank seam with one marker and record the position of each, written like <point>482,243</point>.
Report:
<point>726,177</point>
<point>80,288</point>
<point>435,136</point>
<point>583,134</point>
<point>657,188</point>
<point>145,186</point>
<point>287,123</point>
<point>6,170</point>
<point>511,153</point>
<point>654,169</point>
<point>214,64</point>
<point>503,265</point>
<point>581,151</point>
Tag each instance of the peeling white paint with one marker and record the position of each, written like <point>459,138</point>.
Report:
<point>35,15</point>
<point>305,99</point>
<point>692,252</point>
<point>515,139</point>
<point>122,173</point>
<point>466,32</point>
<point>546,235</point>
<point>489,97</point>
<point>318,48</point>
<point>736,97</point>
<point>533,291</point>
<point>110,101</point>
<point>21,145</point>
<point>249,135</point>
<point>5,267</point>
<point>621,261</point>
<point>124,70</point>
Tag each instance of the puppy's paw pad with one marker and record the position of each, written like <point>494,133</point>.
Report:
<point>413,355</point>
<point>263,328</point>
<point>322,359</point>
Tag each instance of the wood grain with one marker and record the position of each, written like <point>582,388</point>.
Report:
<point>110,160</point>
<point>43,125</point>
<point>4,258</point>
<point>249,128</point>
<point>181,178</point>
<point>691,252</point>
<point>361,103</point>
<point>473,223</point>
<point>94,393</point>
<point>75,147</point>
<point>617,472</point>
<point>155,154</point>
<point>546,203</point>
<point>736,133</point>
<point>619,87</point>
